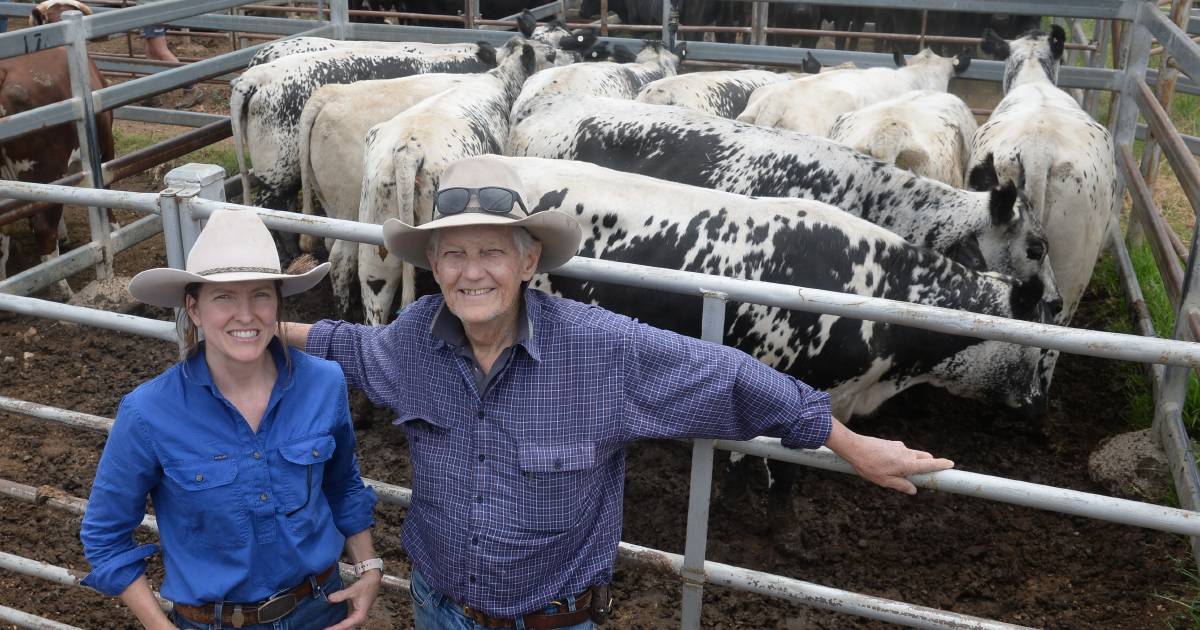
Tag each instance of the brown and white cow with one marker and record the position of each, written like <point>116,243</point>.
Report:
<point>31,81</point>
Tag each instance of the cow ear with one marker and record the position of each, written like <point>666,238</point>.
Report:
<point>486,54</point>
<point>1002,203</point>
<point>1026,296</point>
<point>962,61</point>
<point>968,253</point>
<point>581,39</point>
<point>898,57</point>
<point>526,23</point>
<point>983,176</point>
<point>810,64</point>
<point>528,59</point>
<point>622,54</point>
<point>994,45</point>
<point>1058,41</point>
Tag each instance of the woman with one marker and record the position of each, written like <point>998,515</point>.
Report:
<point>247,451</point>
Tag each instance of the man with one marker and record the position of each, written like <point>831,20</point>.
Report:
<point>518,406</point>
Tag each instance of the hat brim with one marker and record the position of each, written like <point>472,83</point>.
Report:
<point>558,232</point>
<point>164,286</point>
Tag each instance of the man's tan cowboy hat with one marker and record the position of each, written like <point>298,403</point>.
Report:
<point>558,232</point>
<point>234,246</point>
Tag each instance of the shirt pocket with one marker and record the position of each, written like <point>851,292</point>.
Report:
<point>211,502</point>
<point>556,484</point>
<point>299,481</point>
<point>433,453</point>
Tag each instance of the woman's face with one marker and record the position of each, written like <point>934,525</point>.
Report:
<point>238,318</point>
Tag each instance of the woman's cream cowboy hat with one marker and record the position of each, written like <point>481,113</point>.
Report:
<point>558,232</point>
<point>233,246</point>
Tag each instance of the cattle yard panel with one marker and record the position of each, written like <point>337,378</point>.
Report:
<point>1147,23</point>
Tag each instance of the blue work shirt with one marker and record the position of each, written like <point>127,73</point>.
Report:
<point>241,514</point>
<point>517,493</point>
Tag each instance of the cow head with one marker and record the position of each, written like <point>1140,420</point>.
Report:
<point>656,53</point>
<point>51,11</point>
<point>1035,55</point>
<point>1015,242</point>
<point>532,54</point>
<point>810,65</point>
<point>573,43</point>
<point>934,71</point>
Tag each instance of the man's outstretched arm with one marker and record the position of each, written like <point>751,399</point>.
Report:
<point>295,334</point>
<point>885,462</point>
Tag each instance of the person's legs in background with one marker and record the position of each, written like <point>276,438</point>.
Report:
<point>155,38</point>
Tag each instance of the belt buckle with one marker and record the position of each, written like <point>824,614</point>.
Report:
<point>277,607</point>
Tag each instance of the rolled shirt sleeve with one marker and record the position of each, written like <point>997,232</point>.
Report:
<point>681,387</point>
<point>128,470</point>
<point>364,352</point>
<point>352,502</point>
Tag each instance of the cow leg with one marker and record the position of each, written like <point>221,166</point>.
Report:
<point>45,233</point>
<point>343,262</point>
<point>287,242</point>
<point>781,508</point>
<point>5,247</point>
<point>378,274</point>
<point>62,228</point>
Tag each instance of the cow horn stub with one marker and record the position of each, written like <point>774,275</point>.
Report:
<point>898,57</point>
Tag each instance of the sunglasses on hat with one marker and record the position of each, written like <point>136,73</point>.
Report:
<point>492,199</point>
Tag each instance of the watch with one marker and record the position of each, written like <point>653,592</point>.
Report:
<point>368,565</point>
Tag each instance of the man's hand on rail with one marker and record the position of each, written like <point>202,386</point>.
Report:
<point>885,462</point>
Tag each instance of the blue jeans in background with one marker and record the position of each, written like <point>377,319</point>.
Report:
<point>314,612</point>
<point>434,611</point>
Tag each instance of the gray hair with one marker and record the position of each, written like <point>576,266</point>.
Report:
<point>523,239</point>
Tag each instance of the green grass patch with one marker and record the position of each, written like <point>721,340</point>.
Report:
<point>1114,317</point>
<point>220,154</point>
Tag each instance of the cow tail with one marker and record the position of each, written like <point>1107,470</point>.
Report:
<point>239,113</point>
<point>408,160</point>
<point>893,143</point>
<point>308,118</point>
<point>1029,170</point>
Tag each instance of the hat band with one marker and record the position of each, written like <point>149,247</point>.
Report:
<point>216,270</point>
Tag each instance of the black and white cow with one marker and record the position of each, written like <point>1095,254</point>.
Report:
<point>719,93</point>
<point>923,131</point>
<point>985,230</point>
<point>811,104</point>
<point>637,219</point>
<point>404,158</point>
<point>266,101</point>
<point>605,78</point>
<point>1039,138</point>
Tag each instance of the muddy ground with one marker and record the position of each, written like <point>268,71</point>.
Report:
<point>965,555</point>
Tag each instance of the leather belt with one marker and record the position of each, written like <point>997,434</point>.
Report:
<point>239,615</point>
<point>561,618</point>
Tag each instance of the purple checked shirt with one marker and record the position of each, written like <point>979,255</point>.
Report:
<point>517,495</point>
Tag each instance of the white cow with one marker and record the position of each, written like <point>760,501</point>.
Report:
<point>1039,138</point>
<point>604,78</point>
<point>812,104</point>
<point>404,158</point>
<point>923,131</point>
<point>721,93</point>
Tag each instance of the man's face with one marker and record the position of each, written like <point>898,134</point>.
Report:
<point>480,272</point>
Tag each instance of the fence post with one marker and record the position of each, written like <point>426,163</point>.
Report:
<point>1136,57</point>
<point>712,328</point>
<point>470,7</point>
<point>339,17</point>
<point>206,181</point>
<point>168,208</point>
<point>1098,60</point>
<point>1181,10</point>
<point>89,139</point>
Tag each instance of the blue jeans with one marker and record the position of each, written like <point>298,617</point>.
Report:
<point>314,612</point>
<point>434,611</point>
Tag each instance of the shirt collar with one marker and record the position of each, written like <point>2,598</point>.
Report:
<point>447,328</point>
<point>195,367</point>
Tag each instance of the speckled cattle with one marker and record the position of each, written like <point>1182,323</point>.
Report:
<point>984,230</point>
<point>604,78</point>
<point>1039,137</point>
<point>721,93</point>
<point>812,104</point>
<point>923,131</point>
<point>637,219</point>
<point>403,161</point>
<point>266,101</point>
